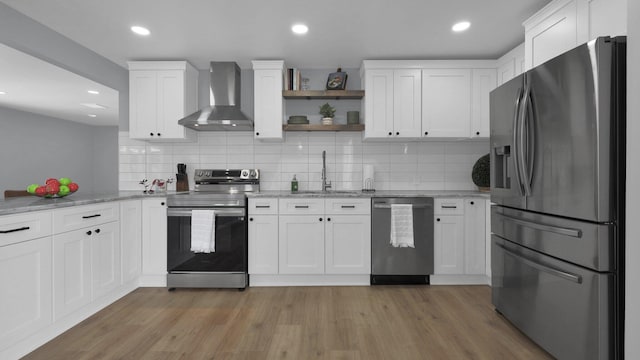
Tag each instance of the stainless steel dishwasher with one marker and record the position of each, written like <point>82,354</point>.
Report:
<point>401,265</point>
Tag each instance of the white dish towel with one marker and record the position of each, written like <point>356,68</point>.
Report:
<point>402,225</point>
<point>203,235</point>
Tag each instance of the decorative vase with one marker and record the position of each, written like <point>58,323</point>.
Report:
<point>327,121</point>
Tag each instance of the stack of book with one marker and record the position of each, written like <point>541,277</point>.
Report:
<point>292,79</point>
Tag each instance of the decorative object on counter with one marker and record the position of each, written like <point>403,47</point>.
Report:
<point>294,184</point>
<point>53,188</point>
<point>337,80</point>
<point>480,174</point>
<point>368,184</point>
<point>328,112</point>
<point>305,84</point>
<point>182,180</point>
<point>298,119</point>
<point>353,117</point>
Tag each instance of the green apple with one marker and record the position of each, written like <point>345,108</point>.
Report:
<point>31,189</point>
<point>64,190</point>
<point>65,181</point>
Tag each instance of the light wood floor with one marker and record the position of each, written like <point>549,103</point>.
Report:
<point>381,322</point>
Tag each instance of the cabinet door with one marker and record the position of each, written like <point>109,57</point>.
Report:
<point>474,236</point>
<point>506,71</point>
<point>71,272</point>
<point>378,104</point>
<point>25,294</point>
<point>446,102</point>
<point>131,239</point>
<point>105,259</point>
<point>553,34</point>
<point>154,236</point>
<point>348,244</point>
<point>301,244</point>
<point>607,18</point>
<point>484,80</point>
<point>263,244</point>
<point>268,104</point>
<point>143,104</point>
<point>407,102</point>
<point>171,107</point>
<point>448,244</point>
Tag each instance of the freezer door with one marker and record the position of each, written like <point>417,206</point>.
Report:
<point>566,309</point>
<point>506,187</point>
<point>568,135</point>
<point>587,244</point>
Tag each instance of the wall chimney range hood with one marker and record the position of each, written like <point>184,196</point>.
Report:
<point>223,112</point>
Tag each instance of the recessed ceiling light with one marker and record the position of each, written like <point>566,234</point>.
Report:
<point>92,115</point>
<point>140,30</point>
<point>461,26</point>
<point>299,29</point>
<point>94,106</point>
<point>3,93</point>
<point>93,92</point>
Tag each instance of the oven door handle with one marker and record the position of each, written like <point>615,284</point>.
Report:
<point>219,212</point>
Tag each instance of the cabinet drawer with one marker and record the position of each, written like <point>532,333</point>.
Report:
<point>301,206</point>
<point>263,206</point>
<point>348,206</point>
<point>22,227</point>
<point>449,207</point>
<point>77,217</point>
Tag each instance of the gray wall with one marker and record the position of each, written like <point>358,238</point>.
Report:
<point>101,167</point>
<point>35,147</point>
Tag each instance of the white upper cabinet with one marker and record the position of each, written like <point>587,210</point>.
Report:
<point>510,65</point>
<point>268,100</point>
<point>565,24</point>
<point>427,98</point>
<point>483,81</point>
<point>446,103</point>
<point>378,103</point>
<point>407,96</point>
<point>160,94</point>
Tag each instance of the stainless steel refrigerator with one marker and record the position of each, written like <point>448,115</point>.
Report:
<point>557,184</point>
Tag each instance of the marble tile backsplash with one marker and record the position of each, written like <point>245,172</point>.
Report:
<point>415,165</point>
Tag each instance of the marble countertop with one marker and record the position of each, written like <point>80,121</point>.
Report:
<point>33,203</point>
<point>381,193</point>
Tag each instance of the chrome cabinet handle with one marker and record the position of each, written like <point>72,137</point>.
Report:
<point>449,207</point>
<point>262,206</point>
<point>90,216</point>
<point>302,206</point>
<point>546,268</point>
<point>348,206</point>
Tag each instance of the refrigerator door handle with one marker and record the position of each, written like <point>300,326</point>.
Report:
<point>523,141</point>
<point>550,270</point>
<point>516,122</point>
<point>576,233</point>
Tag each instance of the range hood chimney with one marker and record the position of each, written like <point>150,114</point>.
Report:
<point>223,112</point>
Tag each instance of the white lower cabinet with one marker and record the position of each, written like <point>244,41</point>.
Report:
<point>460,241</point>
<point>154,242</point>
<point>105,259</point>
<point>309,241</point>
<point>25,294</point>
<point>131,240</point>
<point>71,272</point>
<point>301,244</point>
<point>348,244</point>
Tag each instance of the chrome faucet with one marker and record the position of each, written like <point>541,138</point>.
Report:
<point>325,184</point>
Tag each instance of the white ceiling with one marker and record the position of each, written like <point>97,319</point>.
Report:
<point>341,32</point>
<point>36,86</point>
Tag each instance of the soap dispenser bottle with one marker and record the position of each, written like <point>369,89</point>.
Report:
<point>294,184</point>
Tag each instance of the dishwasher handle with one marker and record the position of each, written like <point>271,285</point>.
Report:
<point>388,206</point>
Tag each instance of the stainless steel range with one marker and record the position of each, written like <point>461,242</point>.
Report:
<point>220,196</point>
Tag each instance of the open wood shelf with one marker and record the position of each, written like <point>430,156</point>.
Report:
<point>317,127</point>
<point>323,94</point>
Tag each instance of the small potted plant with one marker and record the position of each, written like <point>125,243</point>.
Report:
<point>328,112</point>
<point>481,173</point>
